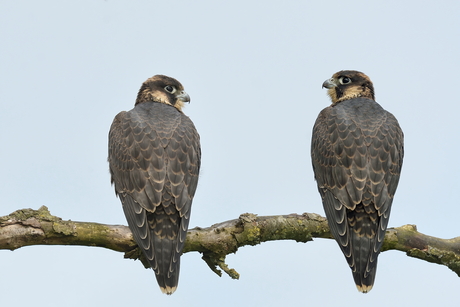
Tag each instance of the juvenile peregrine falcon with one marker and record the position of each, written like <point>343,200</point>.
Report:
<point>357,152</point>
<point>154,159</point>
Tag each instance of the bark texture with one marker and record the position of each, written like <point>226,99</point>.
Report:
<point>38,227</point>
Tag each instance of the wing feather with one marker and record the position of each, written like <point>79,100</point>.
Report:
<point>357,151</point>
<point>154,157</point>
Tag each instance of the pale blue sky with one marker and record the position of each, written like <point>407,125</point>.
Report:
<point>254,72</point>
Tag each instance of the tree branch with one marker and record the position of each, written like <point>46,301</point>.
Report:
<point>38,227</point>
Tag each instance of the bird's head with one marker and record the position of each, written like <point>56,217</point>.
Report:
<point>163,89</point>
<point>348,84</point>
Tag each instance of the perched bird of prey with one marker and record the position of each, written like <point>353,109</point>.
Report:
<point>154,159</point>
<point>357,153</point>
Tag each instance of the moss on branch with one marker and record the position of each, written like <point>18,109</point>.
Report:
<point>38,227</point>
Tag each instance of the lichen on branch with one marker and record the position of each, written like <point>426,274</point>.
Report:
<point>27,227</point>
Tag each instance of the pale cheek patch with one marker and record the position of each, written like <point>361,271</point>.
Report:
<point>333,94</point>
<point>179,104</point>
<point>354,92</point>
<point>160,97</point>
<point>156,95</point>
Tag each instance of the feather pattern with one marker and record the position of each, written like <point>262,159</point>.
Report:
<point>357,153</point>
<point>154,157</point>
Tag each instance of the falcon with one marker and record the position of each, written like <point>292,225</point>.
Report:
<point>357,153</point>
<point>154,160</point>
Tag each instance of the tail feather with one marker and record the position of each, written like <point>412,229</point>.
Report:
<point>157,235</point>
<point>168,270</point>
<point>364,269</point>
<point>165,229</point>
<point>364,227</point>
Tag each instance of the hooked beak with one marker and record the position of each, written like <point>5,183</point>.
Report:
<point>184,97</point>
<point>329,83</point>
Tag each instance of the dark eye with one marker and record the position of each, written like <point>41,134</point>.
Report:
<point>170,89</point>
<point>344,80</point>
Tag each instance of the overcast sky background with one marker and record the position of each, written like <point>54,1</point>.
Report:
<point>254,72</point>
